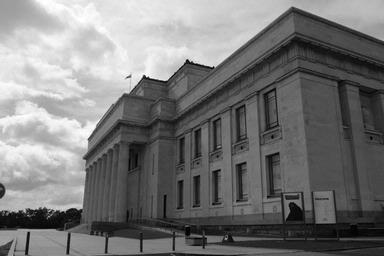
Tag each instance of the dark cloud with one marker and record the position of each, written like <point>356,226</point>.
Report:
<point>16,14</point>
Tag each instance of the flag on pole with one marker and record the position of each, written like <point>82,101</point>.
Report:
<point>129,76</point>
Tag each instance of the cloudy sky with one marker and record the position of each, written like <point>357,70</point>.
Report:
<point>62,64</point>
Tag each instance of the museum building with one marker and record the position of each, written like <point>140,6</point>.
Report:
<point>299,107</point>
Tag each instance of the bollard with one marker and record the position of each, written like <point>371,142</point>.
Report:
<point>173,240</point>
<point>27,243</point>
<point>203,243</point>
<point>141,241</point>
<point>68,243</point>
<point>106,244</point>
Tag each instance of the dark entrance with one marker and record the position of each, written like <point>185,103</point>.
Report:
<point>165,206</point>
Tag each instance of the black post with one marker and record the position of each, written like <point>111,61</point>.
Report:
<point>141,241</point>
<point>68,243</point>
<point>27,243</point>
<point>203,239</point>
<point>173,240</point>
<point>106,244</point>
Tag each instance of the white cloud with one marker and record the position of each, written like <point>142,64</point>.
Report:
<point>63,63</point>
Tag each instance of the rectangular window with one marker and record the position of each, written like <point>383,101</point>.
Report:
<point>241,123</point>
<point>216,134</point>
<point>181,150</point>
<point>366,111</point>
<point>241,176</point>
<point>216,187</point>
<point>180,194</point>
<point>197,143</point>
<point>274,175</point>
<point>271,117</point>
<point>196,191</point>
<point>133,161</point>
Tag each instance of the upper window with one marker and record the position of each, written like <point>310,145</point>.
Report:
<point>367,111</point>
<point>274,175</point>
<point>241,176</point>
<point>133,161</point>
<point>271,117</point>
<point>216,134</point>
<point>216,187</point>
<point>197,143</point>
<point>196,191</point>
<point>241,124</point>
<point>181,150</point>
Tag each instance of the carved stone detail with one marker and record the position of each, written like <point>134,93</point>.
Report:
<point>240,146</point>
<point>216,155</point>
<point>196,163</point>
<point>374,137</point>
<point>180,168</point>
<point>271,135</point>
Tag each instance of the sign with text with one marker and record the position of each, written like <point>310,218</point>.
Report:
<point>293,207</point>
<point>324,207</point>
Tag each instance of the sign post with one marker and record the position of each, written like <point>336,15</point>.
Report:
<point>293,210</point>
<point>324,209</point>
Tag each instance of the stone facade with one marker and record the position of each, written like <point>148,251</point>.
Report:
<point>299,107</point>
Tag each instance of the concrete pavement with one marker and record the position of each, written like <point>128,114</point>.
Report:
<point>52,242</point>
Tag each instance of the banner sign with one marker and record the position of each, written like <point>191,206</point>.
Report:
<point>324,207</point>
<point>293,207</point>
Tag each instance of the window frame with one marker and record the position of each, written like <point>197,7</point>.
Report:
<point>270,169</point>
<point>216,184</point>
<point>197,143</point>
<point>239,135</point>
<point>241,186</point>
<point>196,193</point>
<point>267,100</point>
<point>181,150</point>
<point>217,136</point>
<point>180,194</point>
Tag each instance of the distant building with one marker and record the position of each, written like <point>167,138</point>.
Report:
<point>299,107</point>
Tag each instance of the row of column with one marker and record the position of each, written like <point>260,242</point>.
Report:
<point>105,191</point>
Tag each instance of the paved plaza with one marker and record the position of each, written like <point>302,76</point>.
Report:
<point>52,242</point>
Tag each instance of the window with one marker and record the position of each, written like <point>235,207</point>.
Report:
<point>271,117</point>
<point>241,130</point>
<point>366,111</point>
<point>133,161</point>
<point>241,175</point>
<point>216,187</point>
<point>181,150</point>
<point>196,191</point>
<point>216,134</point>
<point>274,175</point>
<point>197,143</point>
<point>180,194</point>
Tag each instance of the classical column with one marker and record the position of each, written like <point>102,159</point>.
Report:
<point>94,194</point>
<point>112,188</point>
<point>102,185</point>
<point>107,184</point>
<point>86,197</point>
<point>121,185</point>
<point>97,190</point>
<point>100,189</point>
